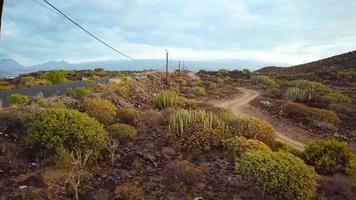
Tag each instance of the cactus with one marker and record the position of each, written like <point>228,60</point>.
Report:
<point>297,94</point>
<point>166,99</point>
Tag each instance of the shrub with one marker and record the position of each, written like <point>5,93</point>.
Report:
<point>1,106</point>
<point>262,80</point>
<point>122,132</point>
<point>279,173</point>
<point>299,112</point>
<point>297,94</point>
<point>129,191</point>
<point>281,146</point>
<point>182,174</point>
<point>102,110</point>
<point>338,97</point>
<point>310,85</point>
<point>128,115</point>
<point>247,72</point>
<point>328,156</point>
<point>27,81</point>
<point>18,99</point>
<point>78,93</point>
<point>238,145</point>
<point>199,91</point>
<point>64,128</point>
<point>198,139</point>
<point>180,119</point>
<point>251,128</point>
<point>166,99</point>
<point>56,77</point>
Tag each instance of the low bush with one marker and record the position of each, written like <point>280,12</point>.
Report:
<point>251,128</point>
<point>198,139</point>
<point>338,97</point>
<point>183,174</point>
<point>27,81</point>
<point>297,94</point>
<point>129,191</point>
<point>239,145</point>
<point>281,146</point>
<point>166,99</point>
<point>78,93</point>
<point>128,115</point>
<point>18,99</point>
<point>304,113</point>
<point>310,86</point>
<point>279,173</point>
<point>102,110</point>
<point>180,119</point>
<point>57,77</point>
<point>198,91</point>
<point>122,132</point>
<point>262,80</point>
<point>328,156</point>
<point>62,128</point>
<point>14,121</point>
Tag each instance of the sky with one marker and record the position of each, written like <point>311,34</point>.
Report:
<point>272,31</point>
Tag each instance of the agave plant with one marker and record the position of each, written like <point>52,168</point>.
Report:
<point>166,99</point>
<point>297,94</point>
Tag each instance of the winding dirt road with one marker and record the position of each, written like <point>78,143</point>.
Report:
<point>286,131</point>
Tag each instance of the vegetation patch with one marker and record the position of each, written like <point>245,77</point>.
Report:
<point>239,145</point>
<point>129,191</point>
<point>279,173</point>
<point>122,132</point>
<point>102,110</point>
<point>128,115</point>
<point>262,81</point>
<point>67,129</point>
<point>18,99</point>
<point>300,112</point>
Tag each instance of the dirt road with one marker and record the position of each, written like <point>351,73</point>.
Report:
<point>286,131</point>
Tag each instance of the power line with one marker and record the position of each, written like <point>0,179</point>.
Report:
<point>84,29</point>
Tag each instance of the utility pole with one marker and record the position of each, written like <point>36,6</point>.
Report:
<point>1,8</point>
<point>166,66</point>
<point>179,67</point>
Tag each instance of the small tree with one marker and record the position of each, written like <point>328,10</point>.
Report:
<point>247,72</point>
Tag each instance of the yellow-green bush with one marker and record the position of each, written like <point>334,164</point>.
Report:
<point>297,94</point>
<point>279,173</point>
<point>62,128</point>
<point>198,91</point>
<point>262,80</point>
<point>78,93</point>
<point>238,145</point>
<point>301,112</point>
<point>18,99</point>
<point>27,81</point>
<point>198,139</point>
<point>328,156</point>
<point>127,115</point>
<point>102,110</point>
<point>166,99</point>
<point>129,191</point>
<point>251,128</point>
<point>338,97</point>
<point>122,132</point>
<point>180,119</point>
<point>56,77</point>
<point>310,85</point>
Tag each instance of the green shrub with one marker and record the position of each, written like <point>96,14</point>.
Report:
<point>198,91</point>
<point>122,132</point>
<point>310,86</point>
<point>198,139</point>
<point>251,128</point>
<point>66,129</point>
<point>102,110</point>
<point>262,80</point>
<point>57,77</point>
<point>128,115</point>
<point>238,145</point>
<point>180,119</point>
<point>27,81</point>
<point>338,97</point>
<point>281,146</point>
<point>247,72</point>
<point>78,93</point>
<point>301,112</point>
<point>1,106</point>
<point>18,99</point>
<point>279,173</point>
<point>297,94</point>
<point>166,99</point>
<point>328,156</point>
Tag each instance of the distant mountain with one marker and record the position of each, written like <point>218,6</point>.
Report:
<point>339,70</point>
<point>11,67</point>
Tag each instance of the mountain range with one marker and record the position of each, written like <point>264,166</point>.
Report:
<point>10,67</point>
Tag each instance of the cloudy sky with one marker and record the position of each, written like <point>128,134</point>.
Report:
<point>275,31</point>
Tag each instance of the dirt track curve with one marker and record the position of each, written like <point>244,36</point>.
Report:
<point>285,131</point>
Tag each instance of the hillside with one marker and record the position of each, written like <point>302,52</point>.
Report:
<point>338,70</point>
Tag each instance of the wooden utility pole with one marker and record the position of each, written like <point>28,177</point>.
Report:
<point>166,66</point>
<point>179,67</point>
<point>1,8</point>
